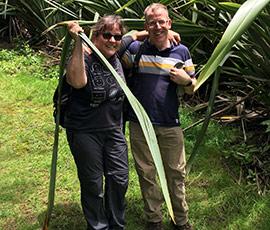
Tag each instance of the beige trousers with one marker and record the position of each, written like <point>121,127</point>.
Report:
<point>171,144</point>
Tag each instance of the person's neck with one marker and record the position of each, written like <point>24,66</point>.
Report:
<point>162,45</point>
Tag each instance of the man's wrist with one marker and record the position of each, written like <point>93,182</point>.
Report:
<point>189,83</point>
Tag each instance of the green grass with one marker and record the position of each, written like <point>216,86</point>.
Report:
<point>216,200</point>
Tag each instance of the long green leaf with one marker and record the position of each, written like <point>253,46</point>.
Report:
<point>95,20</point>
<point>64,23</point>
<point>201,134</point>
<point>125,6</point>
<point>145,123</point>
<point>5,9</point>
<point>240,22</point>
<point>56,136</point>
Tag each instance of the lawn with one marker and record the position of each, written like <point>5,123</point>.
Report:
<point>216,198</point>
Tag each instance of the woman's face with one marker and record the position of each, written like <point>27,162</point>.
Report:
<point>109,41</point>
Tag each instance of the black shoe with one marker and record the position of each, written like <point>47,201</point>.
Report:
<point>154,226</point>
<point>186,226</point>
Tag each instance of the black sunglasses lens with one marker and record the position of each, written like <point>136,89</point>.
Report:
<point>118,37</point>
<point>108,36</point>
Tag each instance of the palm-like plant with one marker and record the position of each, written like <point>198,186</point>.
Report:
<point>201,24</point>
<point>37,16</point>
<point>249,53</point>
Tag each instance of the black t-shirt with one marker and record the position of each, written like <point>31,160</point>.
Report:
<point>98,105</point>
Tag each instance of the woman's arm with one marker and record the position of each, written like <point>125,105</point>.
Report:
<point>76,74</point>
<point>142,35</point>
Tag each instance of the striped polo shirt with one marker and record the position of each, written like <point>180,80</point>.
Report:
<point>152,86</point>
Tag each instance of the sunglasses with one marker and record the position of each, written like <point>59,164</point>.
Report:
<point>108,36</point>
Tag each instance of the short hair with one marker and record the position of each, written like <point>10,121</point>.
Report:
<point>108,22</point>
<point>153,7</point>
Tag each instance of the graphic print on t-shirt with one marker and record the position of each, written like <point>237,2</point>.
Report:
<point>103,85</point>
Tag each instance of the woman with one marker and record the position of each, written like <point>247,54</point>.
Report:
<point>93,125</point>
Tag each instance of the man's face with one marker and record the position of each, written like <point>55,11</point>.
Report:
<point>109,41</point>
<point>157,24</point>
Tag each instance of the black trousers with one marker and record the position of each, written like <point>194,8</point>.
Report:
<point>99,154</point>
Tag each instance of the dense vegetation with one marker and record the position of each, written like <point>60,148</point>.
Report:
<point>243,93</point>
<point>243,96</point>
<point>217,197</point>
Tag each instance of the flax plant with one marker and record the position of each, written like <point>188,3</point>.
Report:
<point>56,135</point>
<point>144,121</point>
<point>243,18</point>
<point>201,135</point>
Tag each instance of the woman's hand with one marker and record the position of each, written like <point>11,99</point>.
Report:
<point>174,37</point>
<point>74,29</point>
<point>139,35</point>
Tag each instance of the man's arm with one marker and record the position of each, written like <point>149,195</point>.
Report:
<point>190,89</point>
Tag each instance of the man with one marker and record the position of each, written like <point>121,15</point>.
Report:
<point>155,83</point>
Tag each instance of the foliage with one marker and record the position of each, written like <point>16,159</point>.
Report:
<point>243,96</point>
<point>30,18</point>
<point>216,200</point>
<point>238,25</point>
<point>23,61</point>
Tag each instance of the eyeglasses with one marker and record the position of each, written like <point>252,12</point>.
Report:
<point>108,36</point>
<point>161,22</point>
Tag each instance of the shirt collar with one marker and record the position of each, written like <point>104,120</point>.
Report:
<point>151,46</point>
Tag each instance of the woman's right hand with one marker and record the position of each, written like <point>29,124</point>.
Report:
<point>74,29</point>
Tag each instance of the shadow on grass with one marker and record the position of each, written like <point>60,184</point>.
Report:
<point>69,216</point>
<point>66,216</point>
<point>134,214</point>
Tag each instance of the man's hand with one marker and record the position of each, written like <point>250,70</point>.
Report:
<point>179,76</point>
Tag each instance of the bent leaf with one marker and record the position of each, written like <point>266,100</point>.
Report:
<point>144,121</point>
<point>240,22</point>
<point>56,136</point>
